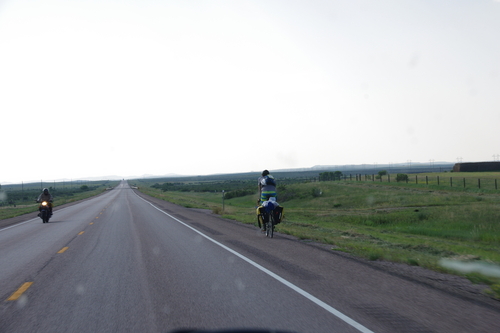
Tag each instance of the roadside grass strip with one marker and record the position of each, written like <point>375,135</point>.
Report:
<point>20,291</point>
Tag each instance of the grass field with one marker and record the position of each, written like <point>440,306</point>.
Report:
<point>417,223</point>
<point>16,202</point>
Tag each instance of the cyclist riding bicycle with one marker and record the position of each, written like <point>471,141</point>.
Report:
<point>267,186</point>
<point>267,197</point>
<point>269,211</point>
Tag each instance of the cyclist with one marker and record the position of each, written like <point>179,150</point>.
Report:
<point>267,192</point>
<point>267,186</point>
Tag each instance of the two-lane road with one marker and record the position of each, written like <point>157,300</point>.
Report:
<point>119,263</point>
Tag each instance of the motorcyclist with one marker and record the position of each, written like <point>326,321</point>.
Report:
<point>46,196</point>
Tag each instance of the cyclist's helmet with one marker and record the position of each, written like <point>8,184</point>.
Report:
<point>45,191</point>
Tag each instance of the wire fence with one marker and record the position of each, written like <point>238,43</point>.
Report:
<point>460,182</point>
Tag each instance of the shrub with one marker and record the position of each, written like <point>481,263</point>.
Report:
<point>281,187</point>
<point>402,177</point>
<point>167,186</point>
<point>217,210</point>
<point>287,195</point>
<point>316,192</point>
<point>413,262</point>
<point>238,193</point>
<point>328,175</point>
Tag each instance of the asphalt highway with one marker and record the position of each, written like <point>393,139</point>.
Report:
<point>125,262</point>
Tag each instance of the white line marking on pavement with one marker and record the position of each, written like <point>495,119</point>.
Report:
<point>17,225</point>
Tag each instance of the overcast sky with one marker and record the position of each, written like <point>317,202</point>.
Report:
<point>98,88</point>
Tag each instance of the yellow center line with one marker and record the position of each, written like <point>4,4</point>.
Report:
<point>63,249</point>
<point>81,233</point>
<point>20,291</point>
<point>97,217</point>
<point>91,223</point>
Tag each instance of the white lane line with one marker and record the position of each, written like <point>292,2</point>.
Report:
<point>16,225</point>
<point>302,292</point>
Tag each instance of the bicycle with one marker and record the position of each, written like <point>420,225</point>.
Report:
<point>269,216</point>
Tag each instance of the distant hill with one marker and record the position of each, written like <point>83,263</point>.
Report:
<point>313,171</point>
<point>286,173</point>
<point>409,167</point>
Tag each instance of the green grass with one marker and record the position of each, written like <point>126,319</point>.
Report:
<point>416,224</point>
<point>452,181</point>
<point>24,202</point>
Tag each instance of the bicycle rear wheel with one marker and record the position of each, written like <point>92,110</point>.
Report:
<point>270,226</point>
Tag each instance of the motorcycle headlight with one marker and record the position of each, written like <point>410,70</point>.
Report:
<point>44,203</point>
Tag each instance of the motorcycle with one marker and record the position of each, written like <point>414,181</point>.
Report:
<point>45,211</point>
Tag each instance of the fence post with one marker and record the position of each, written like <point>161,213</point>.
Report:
<point>479,183</point>
<point>416,179</point>
<point>438,180</point>
<point>389,178</point>
<point>426,180</point>
<point>223,201</point>
<point>373,177</point>
<point>451,181</point>
<point>464,182</point>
